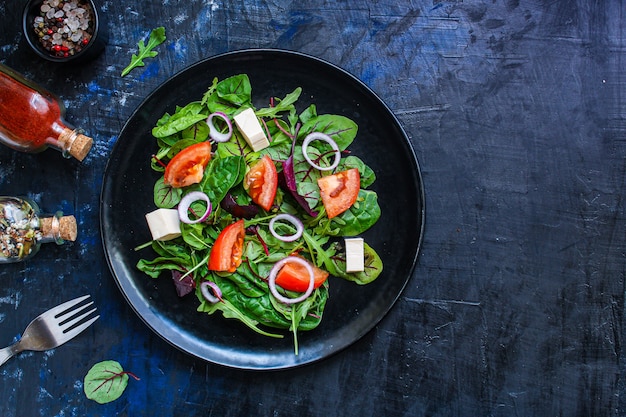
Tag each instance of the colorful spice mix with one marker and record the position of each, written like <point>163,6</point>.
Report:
<point>64,27</point>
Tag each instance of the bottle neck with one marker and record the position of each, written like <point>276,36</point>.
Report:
<point>57,228</point>
<point>70,141</point>
<point>50,228</point>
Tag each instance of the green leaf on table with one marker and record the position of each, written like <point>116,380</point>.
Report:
<point>106,381</point>
<point>157,37</point>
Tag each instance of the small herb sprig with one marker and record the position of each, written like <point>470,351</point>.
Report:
<point>106,381</point>
<point>157,37</point>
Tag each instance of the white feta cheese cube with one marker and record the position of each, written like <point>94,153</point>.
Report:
<point>251,130</point>
<point>355,258</point>
<point>164,224</point>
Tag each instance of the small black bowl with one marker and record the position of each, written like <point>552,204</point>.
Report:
<point>93,47</point>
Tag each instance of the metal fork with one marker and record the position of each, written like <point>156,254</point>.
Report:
<point>52,328</point>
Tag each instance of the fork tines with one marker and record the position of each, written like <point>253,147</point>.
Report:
<point>71,315</point>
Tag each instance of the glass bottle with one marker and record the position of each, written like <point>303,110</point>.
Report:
<point>31,119</point>
<point>23,228</point>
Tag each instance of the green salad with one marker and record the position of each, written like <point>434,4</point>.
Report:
<point>266,202</point>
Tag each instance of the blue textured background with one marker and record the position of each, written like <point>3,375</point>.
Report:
<point>516,110</point>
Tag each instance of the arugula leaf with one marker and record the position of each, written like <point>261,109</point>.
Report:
<point>157,37</point>
<point>106,381</point>
<point>286,104</point>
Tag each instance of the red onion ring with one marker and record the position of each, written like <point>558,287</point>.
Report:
<point>206,287</point>
<point>325,138</point>
<point>187,201</point>
<point>290,219</point>
<point>272,280</point>
<point>214,133</point>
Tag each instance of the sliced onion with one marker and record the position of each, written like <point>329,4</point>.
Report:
<point>325,138</point>
<point>187,201</point>
<point>211,292</point>
<point>214,133</point>
<point>290,219</point>
<point>272,279</point>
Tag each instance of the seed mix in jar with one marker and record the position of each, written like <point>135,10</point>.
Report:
<point>64,27</point>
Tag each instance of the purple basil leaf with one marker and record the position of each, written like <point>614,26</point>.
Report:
<point>183,286</point>
<point>282,182</point>
<point>241,211</point>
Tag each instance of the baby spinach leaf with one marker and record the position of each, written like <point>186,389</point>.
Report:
<point>357,219</point>
<point>182,119</point>
<point>159,264</point>
<point>308,113</point>
<point>221,175</point>
<point>166,196</point>
<point>341,129</point>
<point>198,132</point>
<point>106,381</point>
<point>373,265</point>
<point>366,173</point>
<point>236,90</point>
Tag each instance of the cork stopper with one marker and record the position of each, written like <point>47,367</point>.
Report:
<point>74,143</point>
<point>81,146</point>
<point>68,229</point>
<point>64,227</point>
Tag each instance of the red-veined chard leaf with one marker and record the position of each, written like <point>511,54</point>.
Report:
<point>166,196</point>
<point>106,381</point>
<point>341,129</point>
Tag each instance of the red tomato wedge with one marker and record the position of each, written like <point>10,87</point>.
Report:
<point>261,182</point>
<point>295,277</point>
<point>339,191</point>
<point>227,251</point>
<point>187,166</point>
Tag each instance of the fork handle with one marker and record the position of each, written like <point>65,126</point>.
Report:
<point>8,352</point>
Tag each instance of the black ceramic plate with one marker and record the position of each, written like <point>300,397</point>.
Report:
<point>351,310</point>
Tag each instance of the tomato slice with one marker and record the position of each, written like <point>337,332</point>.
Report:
<point>187,166</point>
<point>261,182</point>
<point>295,277</point>
<point>227,251</point>
<point>339,191</point>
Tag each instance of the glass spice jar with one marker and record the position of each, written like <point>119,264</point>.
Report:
<point>32,119</point>
<point>23,228</point>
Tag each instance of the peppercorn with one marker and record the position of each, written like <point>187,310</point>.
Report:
<point>64,27</point>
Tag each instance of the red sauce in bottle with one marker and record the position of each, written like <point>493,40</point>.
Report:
<point>31,119</point>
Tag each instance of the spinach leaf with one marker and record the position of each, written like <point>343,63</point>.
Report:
<point>106,381</point>
<point>197,132</point>
<point>182,119</point>
<point>341,129</point>
<point>220,175</point>
<point>166,196</point>
<point>159,264</point>
<point>229,95</point>
<point>366,173</point>
<point>236,146</point>
<point>357,219</point>
<point>308,113</point>
<point>372,262</point>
